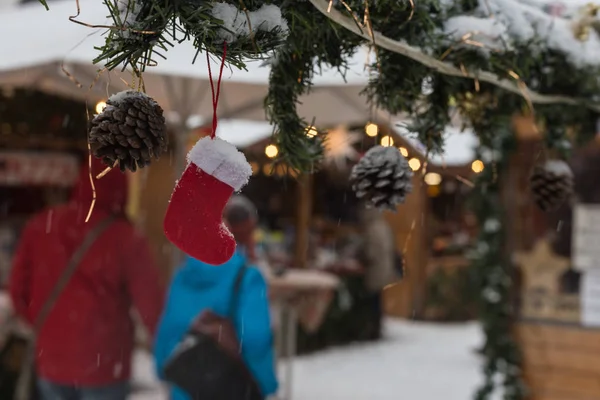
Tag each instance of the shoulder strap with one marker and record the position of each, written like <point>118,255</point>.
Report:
<point>66,275</point>
<point>236,293</point>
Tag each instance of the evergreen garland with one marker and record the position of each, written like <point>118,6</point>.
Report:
<point>492,269</point>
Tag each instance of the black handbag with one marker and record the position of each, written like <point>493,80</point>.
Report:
<point>12,357</point>
<point>205,371</point>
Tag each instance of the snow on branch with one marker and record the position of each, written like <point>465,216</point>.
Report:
<point>499,23</point>
<point>441,67</point>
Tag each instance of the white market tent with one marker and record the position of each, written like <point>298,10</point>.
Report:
<point>177,84</point>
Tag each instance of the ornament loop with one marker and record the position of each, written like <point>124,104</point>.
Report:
<point>215,97</point>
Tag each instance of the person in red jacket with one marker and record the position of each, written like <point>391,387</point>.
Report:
<point>84,348</point>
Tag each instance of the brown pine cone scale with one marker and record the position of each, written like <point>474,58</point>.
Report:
<point>131,131</point>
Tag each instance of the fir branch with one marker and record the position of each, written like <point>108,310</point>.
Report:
<point>314,41</point>
<point>446,68</point>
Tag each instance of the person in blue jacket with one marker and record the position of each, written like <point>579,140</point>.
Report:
<point>197,287</point>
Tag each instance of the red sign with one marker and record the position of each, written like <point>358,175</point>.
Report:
<point>38,169</point>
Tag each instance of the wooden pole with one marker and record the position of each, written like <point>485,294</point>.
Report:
<point>304,212</point>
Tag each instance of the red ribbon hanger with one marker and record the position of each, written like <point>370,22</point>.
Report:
<point>215,96</point>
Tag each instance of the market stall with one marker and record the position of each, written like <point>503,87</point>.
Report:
<point>39,164</point>
<point>321,212</point>
<point>39,160</point>
<point>556,259</point>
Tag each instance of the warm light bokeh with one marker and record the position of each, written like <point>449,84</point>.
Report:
<point>414,164</point>
<point>271,151</point>
<point>371,130</point>
<point>100,106</point>
<point>477,166</point>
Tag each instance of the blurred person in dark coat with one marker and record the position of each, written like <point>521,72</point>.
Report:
<point>379,263</point>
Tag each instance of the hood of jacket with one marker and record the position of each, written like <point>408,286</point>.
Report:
<point>111,189</point>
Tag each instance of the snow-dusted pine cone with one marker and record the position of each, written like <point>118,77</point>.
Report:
<point>131,129</point>
<point>551,184</point>
<point>382,178</point>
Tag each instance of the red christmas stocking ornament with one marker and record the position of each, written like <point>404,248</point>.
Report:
<point>194,221</point>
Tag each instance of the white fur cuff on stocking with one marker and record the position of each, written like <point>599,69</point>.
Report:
<point>221,160</point>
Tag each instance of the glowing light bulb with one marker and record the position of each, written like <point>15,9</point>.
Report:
<point>311,131</point>
<point>371,129</point>
<point>414,164</point>
<point>477,166</point>
<point>403,151</point>
<point>271,151</point>
<point>432,178</point>
<point>100,107</point>
<point>387,141</point>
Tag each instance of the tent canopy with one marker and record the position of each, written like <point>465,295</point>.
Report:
<point>42,43</point>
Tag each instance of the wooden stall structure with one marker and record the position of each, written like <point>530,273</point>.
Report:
<point>39,159</point>
<point>294,206</point>
<point>451,229</point>
<point>324,202</point>
<point>558,294</point>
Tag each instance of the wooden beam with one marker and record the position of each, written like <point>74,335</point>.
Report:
<point>304,213</point>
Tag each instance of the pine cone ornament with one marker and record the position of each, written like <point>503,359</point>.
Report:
<point>551,184</point>
<point>130,130</point>
<point>382,178</point>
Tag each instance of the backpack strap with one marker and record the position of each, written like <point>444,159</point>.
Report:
<point>235,295</point>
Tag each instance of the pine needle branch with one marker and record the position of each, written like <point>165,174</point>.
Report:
<point>445,68</point>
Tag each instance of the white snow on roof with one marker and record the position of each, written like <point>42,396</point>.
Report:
<point>459,146</point>
<point>241,133</point>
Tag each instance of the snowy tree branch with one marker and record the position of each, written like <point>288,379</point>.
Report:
<point>441,67</point>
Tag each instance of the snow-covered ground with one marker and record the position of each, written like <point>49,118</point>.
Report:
<point>416,361</point>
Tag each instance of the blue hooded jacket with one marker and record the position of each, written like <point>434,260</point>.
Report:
<point>197,286</point>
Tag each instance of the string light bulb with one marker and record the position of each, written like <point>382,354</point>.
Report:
<point>271,151</point>
<point>403,151</point>
<point>477,166</point>
<point>311,131</point>
<point>414,164</point>
<point>432,178</point>
<point>371,129</point>
<point>387,141</point>
<point>100,106</point>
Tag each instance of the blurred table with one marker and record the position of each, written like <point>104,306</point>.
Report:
<point>302,296</point>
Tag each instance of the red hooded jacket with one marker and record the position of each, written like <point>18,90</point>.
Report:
<point>87,339</point>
